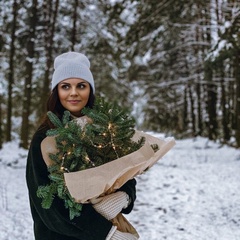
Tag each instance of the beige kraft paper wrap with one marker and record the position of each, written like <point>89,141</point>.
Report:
<point>94,182</point>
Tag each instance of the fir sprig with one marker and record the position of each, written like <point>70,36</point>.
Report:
<point>107,137</point>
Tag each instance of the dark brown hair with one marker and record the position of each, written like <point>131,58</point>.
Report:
<point>54,105</point>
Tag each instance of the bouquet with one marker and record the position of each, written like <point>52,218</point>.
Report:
<point>95,155</point>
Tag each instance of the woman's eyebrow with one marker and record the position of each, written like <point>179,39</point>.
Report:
<point>64,83</point>
<point>70,83</point>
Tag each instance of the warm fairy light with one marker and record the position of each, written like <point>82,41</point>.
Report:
<point>63,169</point>
<point>89,160</point>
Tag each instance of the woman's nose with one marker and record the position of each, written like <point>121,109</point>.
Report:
<point>73,91</point>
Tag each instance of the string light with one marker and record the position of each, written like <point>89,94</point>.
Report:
<point>112,135</point>
<point>62,168</point>
<point>89,160</point>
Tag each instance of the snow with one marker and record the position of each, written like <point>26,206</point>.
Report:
<point>191,193</point>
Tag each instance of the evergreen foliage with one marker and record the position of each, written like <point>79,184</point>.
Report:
<point>82,145</point>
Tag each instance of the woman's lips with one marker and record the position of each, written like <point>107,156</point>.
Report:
<point>73,101</point>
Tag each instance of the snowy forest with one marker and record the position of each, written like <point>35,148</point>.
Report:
<point>175,64</point>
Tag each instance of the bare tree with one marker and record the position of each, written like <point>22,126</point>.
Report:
<point>1,131</point>
<point>74,27</point>
<point>211,103</point>
<point>50,16</point>
<point>237,109</point>
<point>11,70</point>
<point>33,19</point>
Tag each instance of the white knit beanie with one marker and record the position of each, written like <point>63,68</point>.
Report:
<point>72,65</point>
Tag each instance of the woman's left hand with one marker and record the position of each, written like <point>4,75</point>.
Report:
<point>111,205</point>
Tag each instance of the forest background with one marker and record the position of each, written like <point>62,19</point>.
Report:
<point>175,64</point>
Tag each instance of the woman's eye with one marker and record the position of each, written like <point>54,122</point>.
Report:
<point>68,86</point>
<point>81,85</point>
<point>65,87</point>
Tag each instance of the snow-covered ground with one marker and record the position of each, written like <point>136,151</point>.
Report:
<point>190,194</point>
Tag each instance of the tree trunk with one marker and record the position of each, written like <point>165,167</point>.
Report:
<point>231,103</point>
<point>185,111</point>
<point>225,119</point>
<point>193,118</point>
<point>51,16</point>
<point>29,72</point>
<point>198,52</point>
<point>11,71</point>
<point>199,108</point>
<point>211,103</point>
<point>1,131</point>
<point>237,110</point>
<point>74,29</point>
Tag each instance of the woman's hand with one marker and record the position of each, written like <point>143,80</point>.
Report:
<point>123,236</point>
<point>114,234</point>
<point>111,205</point>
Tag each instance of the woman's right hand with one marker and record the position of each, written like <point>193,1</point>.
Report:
<point>123,236</point>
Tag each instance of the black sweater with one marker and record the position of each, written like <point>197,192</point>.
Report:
<point>54,223</point>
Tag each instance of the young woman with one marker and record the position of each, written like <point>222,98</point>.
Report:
<point>72,90</point>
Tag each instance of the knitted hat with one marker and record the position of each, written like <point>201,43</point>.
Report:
<point>72,65</point>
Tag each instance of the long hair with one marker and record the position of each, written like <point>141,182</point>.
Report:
<point>54,105</point>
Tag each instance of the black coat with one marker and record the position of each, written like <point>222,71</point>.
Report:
<point>54,223</point>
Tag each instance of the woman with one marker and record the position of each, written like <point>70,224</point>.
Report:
<point>72,90</point>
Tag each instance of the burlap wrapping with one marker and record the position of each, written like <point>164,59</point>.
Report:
<point>94,182</point>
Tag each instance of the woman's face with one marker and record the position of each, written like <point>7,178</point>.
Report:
<point>73,94</point>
